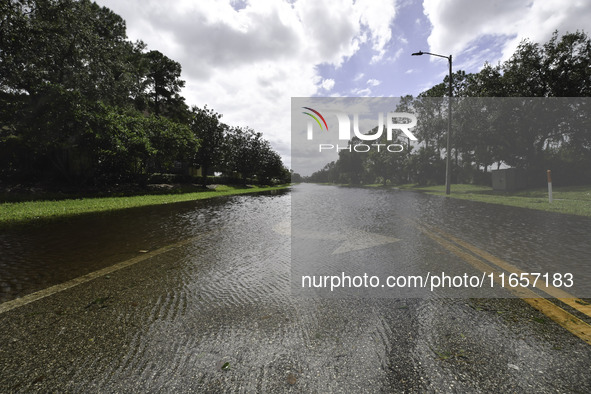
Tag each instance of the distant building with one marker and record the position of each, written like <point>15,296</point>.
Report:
<point>509,179</point>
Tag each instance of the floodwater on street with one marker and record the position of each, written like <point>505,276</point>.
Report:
<point>220,310</point>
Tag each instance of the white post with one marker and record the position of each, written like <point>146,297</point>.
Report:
<point>549,172</point>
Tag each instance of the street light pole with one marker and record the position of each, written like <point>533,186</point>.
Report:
<point>447,159</point>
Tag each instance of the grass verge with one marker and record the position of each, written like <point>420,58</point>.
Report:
<point>29,211</point>
<point>574,200</point>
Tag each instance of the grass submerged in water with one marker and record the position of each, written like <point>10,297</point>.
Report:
<point>29,211</point>
<point>575,200</point>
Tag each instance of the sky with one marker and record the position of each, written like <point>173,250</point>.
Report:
<point>247,59</point>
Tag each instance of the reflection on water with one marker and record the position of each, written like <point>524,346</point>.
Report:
<point>533,241</point>
<point>172,321</point>
<point>35,257</point>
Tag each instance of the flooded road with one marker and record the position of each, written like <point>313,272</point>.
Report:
<point>215,312</point>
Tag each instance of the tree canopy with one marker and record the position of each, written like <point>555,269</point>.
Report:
<point>81,104</point>
<point>505,114</point>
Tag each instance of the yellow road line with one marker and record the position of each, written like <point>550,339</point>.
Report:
<point>565,319</point>
<point>562,317</point>
<point>563,296</point>
<point>29,298</point>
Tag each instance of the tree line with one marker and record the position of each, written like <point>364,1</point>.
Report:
<point>81,104</point>
<point>498,119</point>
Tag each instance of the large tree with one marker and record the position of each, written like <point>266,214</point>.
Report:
<point>79,102</point>
<point>57,58</point>
<point>163,83</point>
<point>206,126</point>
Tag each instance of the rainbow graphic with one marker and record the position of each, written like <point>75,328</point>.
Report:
<point>315,118</point>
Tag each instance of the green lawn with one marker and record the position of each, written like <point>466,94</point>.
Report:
<point>29,211</point>
<point>573,199</point>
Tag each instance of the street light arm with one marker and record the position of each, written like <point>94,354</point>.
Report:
<point>434,54</point>
<point>419,53</point>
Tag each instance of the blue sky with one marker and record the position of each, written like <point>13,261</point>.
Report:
<point>246,59</point>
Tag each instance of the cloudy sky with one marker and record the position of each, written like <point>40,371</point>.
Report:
<point>246,59</point>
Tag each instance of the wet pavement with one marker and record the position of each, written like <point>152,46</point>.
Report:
<point>215,313</point>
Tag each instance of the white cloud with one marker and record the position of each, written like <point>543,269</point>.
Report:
<point>361,92</point>
<point>247,61</point>
<point>395,56</point>
<point>373,82</point>
<point>358,77</point>
<point>327,84</point>
<point>458,24</point>
<point>377,16</point>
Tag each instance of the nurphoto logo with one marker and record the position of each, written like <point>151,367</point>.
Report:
<point>393,122</point>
